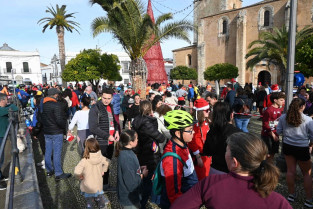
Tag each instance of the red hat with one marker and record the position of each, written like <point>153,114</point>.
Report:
<point>260,83</point>
<point>275,88</point>
<point>201,104</point>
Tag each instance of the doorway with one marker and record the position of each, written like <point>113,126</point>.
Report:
<point>264,77</point>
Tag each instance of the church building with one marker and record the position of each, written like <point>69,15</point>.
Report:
<point>225,30</point>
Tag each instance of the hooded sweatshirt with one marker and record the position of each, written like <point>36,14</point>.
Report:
<point>92,170</point>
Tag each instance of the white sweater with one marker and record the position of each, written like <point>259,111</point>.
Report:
<point>81,119</point>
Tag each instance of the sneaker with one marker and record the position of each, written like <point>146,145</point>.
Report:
<point>63,176</point>
<point>3,186</point>
<point>42,163</point>
<point>4,178</point>
<point>291,198</point>
<point>308,204</point>
<point>49,174</point>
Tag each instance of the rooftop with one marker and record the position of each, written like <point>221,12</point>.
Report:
<point>6,47</point>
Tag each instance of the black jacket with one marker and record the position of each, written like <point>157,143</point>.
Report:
<point>99,122</point>
<point>53,117</point>
<point>238,103</point>
<point>147,130</point>
<point>215,145</point>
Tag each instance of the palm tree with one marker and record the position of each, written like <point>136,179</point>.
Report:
<point>273,47</point>
<point>60,19</point>
<point>136,32</point>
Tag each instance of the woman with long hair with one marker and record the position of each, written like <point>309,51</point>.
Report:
<point>297,131</point>
<point>220,129</point>
<point>250,183</point>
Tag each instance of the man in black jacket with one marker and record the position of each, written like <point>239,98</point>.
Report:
<point>103,125</point>
<point>54,122</point>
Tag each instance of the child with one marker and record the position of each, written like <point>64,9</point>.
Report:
<point>90,171</point>
<point>201,128</point>
<point>178,178</point>
<point>129,172</point>
<point>270,121</point>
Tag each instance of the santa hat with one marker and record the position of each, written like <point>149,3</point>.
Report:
<point>200,104</point>
<point>275,88</point>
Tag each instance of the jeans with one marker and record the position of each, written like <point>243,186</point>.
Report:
<point>72,110</point>
<point>54,144</point>
<point>242,123</point>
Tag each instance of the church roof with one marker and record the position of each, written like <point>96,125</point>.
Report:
<point>184,48</point>
<point>6,47</point>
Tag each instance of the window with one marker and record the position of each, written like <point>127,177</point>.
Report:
<point>126,81</point>
<point>125,67</point>
<point>189,59</point>
<point>223,27</point>
<point>9,67</point>
<point>224,31</point>
<point>266,18</point>
<point>25,67</point>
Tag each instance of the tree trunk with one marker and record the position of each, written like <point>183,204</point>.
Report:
<point>60,33</point>
<point>138,75</point>
<point>283,76</point>
<point>217,88</point>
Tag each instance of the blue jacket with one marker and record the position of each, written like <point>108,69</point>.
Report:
<point>230,98</point>
<point>191,94</point>
<point>24,95</point>
<point>116,102</point>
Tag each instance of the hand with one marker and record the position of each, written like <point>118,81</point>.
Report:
<point>117,136</point>
<point>111,138</point>
<point>275,137</point>
<point>199,161</point>
<point>144,171</point>
<point>310,149</point>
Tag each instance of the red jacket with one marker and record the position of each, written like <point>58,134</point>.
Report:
<point>270,120</point>
<point>74,99</point>
<point>196,146</point>
<point>174,171</point>
<point>267,101</point>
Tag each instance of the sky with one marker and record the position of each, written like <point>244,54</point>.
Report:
<point>19,28</point>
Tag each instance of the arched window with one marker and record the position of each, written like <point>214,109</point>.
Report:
<point>267,18</point>
<point>224,31</point>
<point>223,26</point>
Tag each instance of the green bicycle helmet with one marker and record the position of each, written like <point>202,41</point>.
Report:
<point>178,119</point>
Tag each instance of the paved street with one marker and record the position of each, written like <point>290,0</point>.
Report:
<point>66,194</point>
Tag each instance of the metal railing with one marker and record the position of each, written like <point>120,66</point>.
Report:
<point>16,175</point>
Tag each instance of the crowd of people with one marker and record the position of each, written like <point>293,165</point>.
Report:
<point>209,158</point>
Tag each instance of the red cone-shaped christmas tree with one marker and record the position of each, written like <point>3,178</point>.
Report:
<point>154,59</point>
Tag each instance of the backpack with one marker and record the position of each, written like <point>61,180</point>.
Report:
<point>158,179</point>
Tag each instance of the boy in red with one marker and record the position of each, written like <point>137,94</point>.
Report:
<point>270,121</point>
<point>178,178</point>
<point>201,128</point>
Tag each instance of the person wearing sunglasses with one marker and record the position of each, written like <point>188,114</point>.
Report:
<point>179,174</point>
<point>201,116</point>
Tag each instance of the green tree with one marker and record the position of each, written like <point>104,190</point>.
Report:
<point>219,72</point>
<point>183,73</point>
<point>273,47</point>
<point>60,20</point>
<point>136,32</point>
<point>90,65</point>
<point>304,57</point>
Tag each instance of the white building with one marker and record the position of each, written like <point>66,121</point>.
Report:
<point>124,63</point>
<point>22,67</point>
